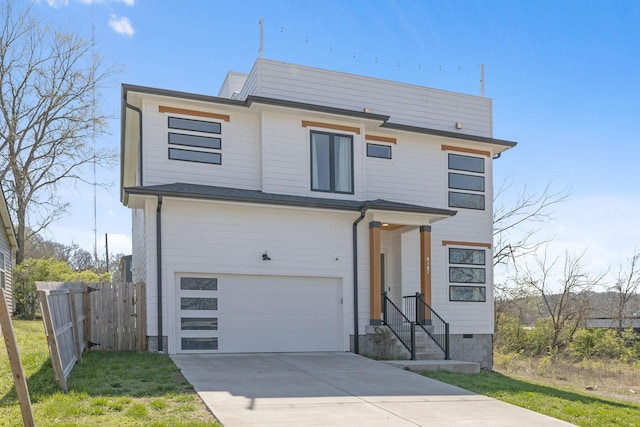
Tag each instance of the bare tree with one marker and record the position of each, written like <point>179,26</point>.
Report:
<point>564,295</point>
<point>625,288</point>
<point>516,225</point>
<point>48,85</point>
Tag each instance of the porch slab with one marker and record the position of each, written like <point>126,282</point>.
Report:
<point>436,365</point>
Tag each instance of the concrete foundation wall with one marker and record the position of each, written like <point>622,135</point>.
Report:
<point>152,344</point>
<point>380,343</point>
<point>472,348</point>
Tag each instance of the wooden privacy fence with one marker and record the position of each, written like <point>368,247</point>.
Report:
<point>77,316</point>
<point>118,316</point>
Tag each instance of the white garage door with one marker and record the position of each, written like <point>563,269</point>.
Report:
<point>238,313</point>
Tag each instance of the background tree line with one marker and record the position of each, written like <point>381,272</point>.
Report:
<point>49,261</point>
<point>543,304</point>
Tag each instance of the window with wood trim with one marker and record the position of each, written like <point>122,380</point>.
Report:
<point>378,150</point>
<point>468,267</point>
<point>193,140</point>
<point>331,162</point>
<point>466,181</point>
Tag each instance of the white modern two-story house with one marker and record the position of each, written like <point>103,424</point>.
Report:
<point>300,208</point>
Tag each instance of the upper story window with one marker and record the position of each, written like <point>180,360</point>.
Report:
<point>199,135</point>
<point>331,162</point>
<point>466,173</point>
<point>380,151</point>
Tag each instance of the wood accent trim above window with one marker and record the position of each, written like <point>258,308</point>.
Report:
<point>381,139</point>
<point>165,109</point>
<point>306,123</point>
<point>465,150</point>
<point>456,243</point>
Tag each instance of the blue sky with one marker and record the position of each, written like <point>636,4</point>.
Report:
<point>563,76</point>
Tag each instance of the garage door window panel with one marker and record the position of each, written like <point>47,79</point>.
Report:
<point>199,323</point>
<point>199,343</point>
<point>198,284</point>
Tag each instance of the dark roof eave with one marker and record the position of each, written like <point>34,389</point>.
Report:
<point>444,133</point>
<point>315,107</point>
<point>249,196</point>
<point>312,107</point>
<point>179,94</point>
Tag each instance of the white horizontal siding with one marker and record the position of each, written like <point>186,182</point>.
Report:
<point>464,317</point>
<point>232,85</point>
<point>240,166</point>
<point>286,155</point>
<point>223,238</point>
<point>5,248</point>
<point>415,174</point>
<point>405,103</point>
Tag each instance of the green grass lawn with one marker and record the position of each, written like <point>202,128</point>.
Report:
<point>577,408</point>
<point>106,389</point>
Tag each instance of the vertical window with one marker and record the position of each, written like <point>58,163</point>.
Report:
<point>467,181</point>
<point>331,162</point>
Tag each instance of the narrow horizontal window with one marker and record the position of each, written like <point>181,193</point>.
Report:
<point>466,163</point>
<point>198,303</point>
<point>466,200</point>
<point>199,323</point>
<point>466,182</point>
<point>380,151</point>
<point>199,343</point>
<point>195,141</point>
<point>468,293</point>
<point>467,256</point>
<point>194,125</point>
<point>195,156</point>
<point>467,275</point>
<point>198,284</point>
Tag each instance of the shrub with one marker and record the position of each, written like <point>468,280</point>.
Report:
<point>44,270</point>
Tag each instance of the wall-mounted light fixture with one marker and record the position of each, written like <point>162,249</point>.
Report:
<point>458,125</point>
<point>265,256</point>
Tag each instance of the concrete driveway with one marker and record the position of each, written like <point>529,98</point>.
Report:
<point>337,389</point>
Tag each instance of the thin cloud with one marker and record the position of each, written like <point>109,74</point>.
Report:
<point>57,3</point>
<point>126,2</point>
<point>121,25</point>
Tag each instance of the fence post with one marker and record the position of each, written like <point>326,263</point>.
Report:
<point>87,315</point>
<point>22,390</point>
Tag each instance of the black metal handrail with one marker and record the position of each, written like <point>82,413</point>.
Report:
<point>426,318</point>
<point>403,328</point>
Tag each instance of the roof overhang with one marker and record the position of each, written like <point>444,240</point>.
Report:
<point>501,144</point>
<point>130,133</point>
<point>407,214</point>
